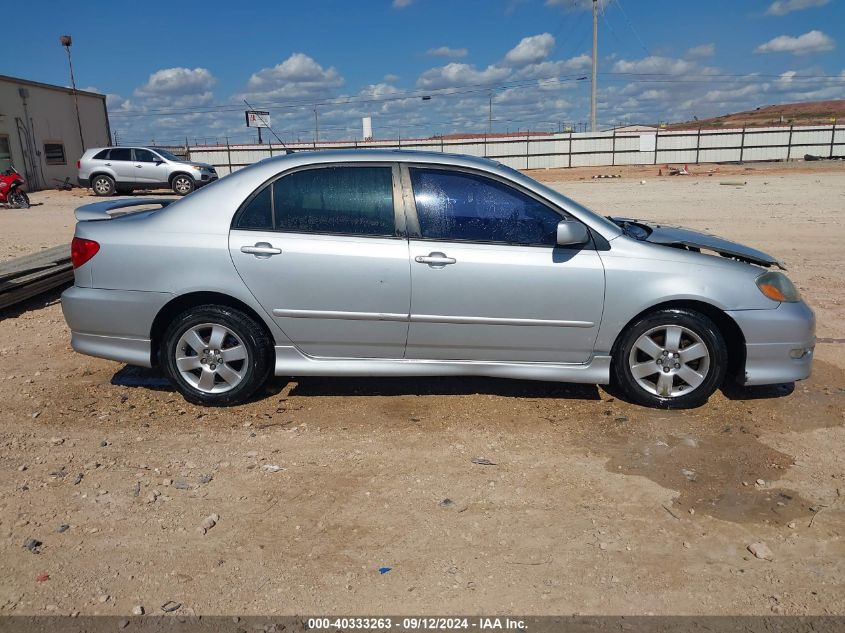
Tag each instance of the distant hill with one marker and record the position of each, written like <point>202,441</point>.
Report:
<point>809,113</point>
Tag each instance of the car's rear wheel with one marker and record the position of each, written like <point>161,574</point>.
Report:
<point>216,355</point>
<point>103,185</point>
<point>671,359</point>
<point>182,184</point>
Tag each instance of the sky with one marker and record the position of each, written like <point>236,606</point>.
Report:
<point>182,70</point>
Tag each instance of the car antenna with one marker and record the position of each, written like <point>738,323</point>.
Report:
<point>268,127</point>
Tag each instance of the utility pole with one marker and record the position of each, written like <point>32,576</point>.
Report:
<point>595,64</point>
<point>490,116</point>
<point>316,128</point>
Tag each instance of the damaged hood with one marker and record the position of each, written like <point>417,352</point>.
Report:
<point>679,237</point>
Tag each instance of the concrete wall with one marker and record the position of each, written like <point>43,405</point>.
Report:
<point>51,119</point>
<point>584,149</point>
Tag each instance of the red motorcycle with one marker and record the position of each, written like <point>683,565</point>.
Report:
<point>11,190</point>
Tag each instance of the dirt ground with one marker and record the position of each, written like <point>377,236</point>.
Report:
<point>591,505</point>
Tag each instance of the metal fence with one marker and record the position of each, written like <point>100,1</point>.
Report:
<point>570,149</point>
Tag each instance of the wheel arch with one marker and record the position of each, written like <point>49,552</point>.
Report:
<point>728,328</point>
<point>101,172</point>
<point>183,302</point>
<point>173,176</point>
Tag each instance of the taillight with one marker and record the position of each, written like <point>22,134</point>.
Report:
<point>82,250</point>
<point>78,164</point>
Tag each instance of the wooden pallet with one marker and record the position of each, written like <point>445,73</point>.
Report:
<point>25,277</point>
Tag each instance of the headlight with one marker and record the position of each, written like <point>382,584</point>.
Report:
<point>197,167</point>
<point>777,287</point>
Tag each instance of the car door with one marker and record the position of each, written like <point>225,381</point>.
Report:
<point>321,250</point>
<point>488,281</point>
<point>150,169</point>
<point>120,162</point>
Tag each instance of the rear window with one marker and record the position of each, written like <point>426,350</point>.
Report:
<point>102,155</point>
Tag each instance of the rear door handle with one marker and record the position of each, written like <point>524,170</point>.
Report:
<point>262,250</point>
<point>435,259</point>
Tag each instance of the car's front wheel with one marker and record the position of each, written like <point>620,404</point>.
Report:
<point>216,355</point>
<point>182,184</point>
<point>671,359</point>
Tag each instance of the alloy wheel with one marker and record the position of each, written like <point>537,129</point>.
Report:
<point>211,358</point>
<point>182,185</point>
<point>669,361</point>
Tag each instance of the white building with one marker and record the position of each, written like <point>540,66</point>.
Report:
<point>40,133</point>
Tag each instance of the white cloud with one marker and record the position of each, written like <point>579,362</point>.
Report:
<point>782,7</point>
<point>177,81</point>
<point>806,44</point>
<point>531,50</point>
<point>547,69</point>
<point>299,76</point>
<point>455,74</point>
<point>401,4</point>
<point>571,5</point>
<point>446,51</point>
<point>654,65</point>
<point>701,52</point>
<point>390,78</point>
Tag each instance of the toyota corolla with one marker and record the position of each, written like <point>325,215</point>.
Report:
<point>395,263</point>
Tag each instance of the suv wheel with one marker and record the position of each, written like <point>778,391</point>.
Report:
<point>671,359</point>
<point>103,185</point>
<point>216,355</point>
<point>183,184</point>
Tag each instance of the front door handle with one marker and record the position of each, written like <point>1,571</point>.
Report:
<point>262,250</point>
<point>435,259</point>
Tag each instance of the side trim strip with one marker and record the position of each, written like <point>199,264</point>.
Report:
<point>425,318</point>
<point>437,318</point>
<point>336,314</point>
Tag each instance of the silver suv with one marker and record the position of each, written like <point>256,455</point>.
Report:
<point>111,170</point>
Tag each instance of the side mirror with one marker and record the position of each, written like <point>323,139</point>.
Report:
<point>571,233</point>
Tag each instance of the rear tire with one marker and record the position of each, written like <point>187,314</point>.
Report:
<point>103,185</point>
<point>216,355</point>
<point>182,184</point>
<point>670,359</point>
<point>18,199</point>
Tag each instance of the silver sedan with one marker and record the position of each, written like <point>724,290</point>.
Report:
<point>383,263</point>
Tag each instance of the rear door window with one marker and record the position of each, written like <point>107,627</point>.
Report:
<point>104,155</point>
<point>120,154</point>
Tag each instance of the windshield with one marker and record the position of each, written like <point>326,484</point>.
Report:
<point>165,154</point>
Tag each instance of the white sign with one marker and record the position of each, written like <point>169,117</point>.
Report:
<point>648,142</point>
<point>257,118</point>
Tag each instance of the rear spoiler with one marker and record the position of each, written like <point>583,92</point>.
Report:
<point>100,210</point>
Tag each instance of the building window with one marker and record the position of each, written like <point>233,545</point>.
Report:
<point>5,153</point>
<point>54,153</point>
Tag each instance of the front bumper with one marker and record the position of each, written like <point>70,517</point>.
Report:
<point>779,343</point>
<point>113,324</point>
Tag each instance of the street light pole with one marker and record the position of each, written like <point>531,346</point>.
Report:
<point>67,41</point>
<point>595,65</point>
<point>316,128</point>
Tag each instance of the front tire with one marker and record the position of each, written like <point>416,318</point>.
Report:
<point>103,185</point>
<point>182,184</point>
<point>670,359</point>
<point>216,355</point>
